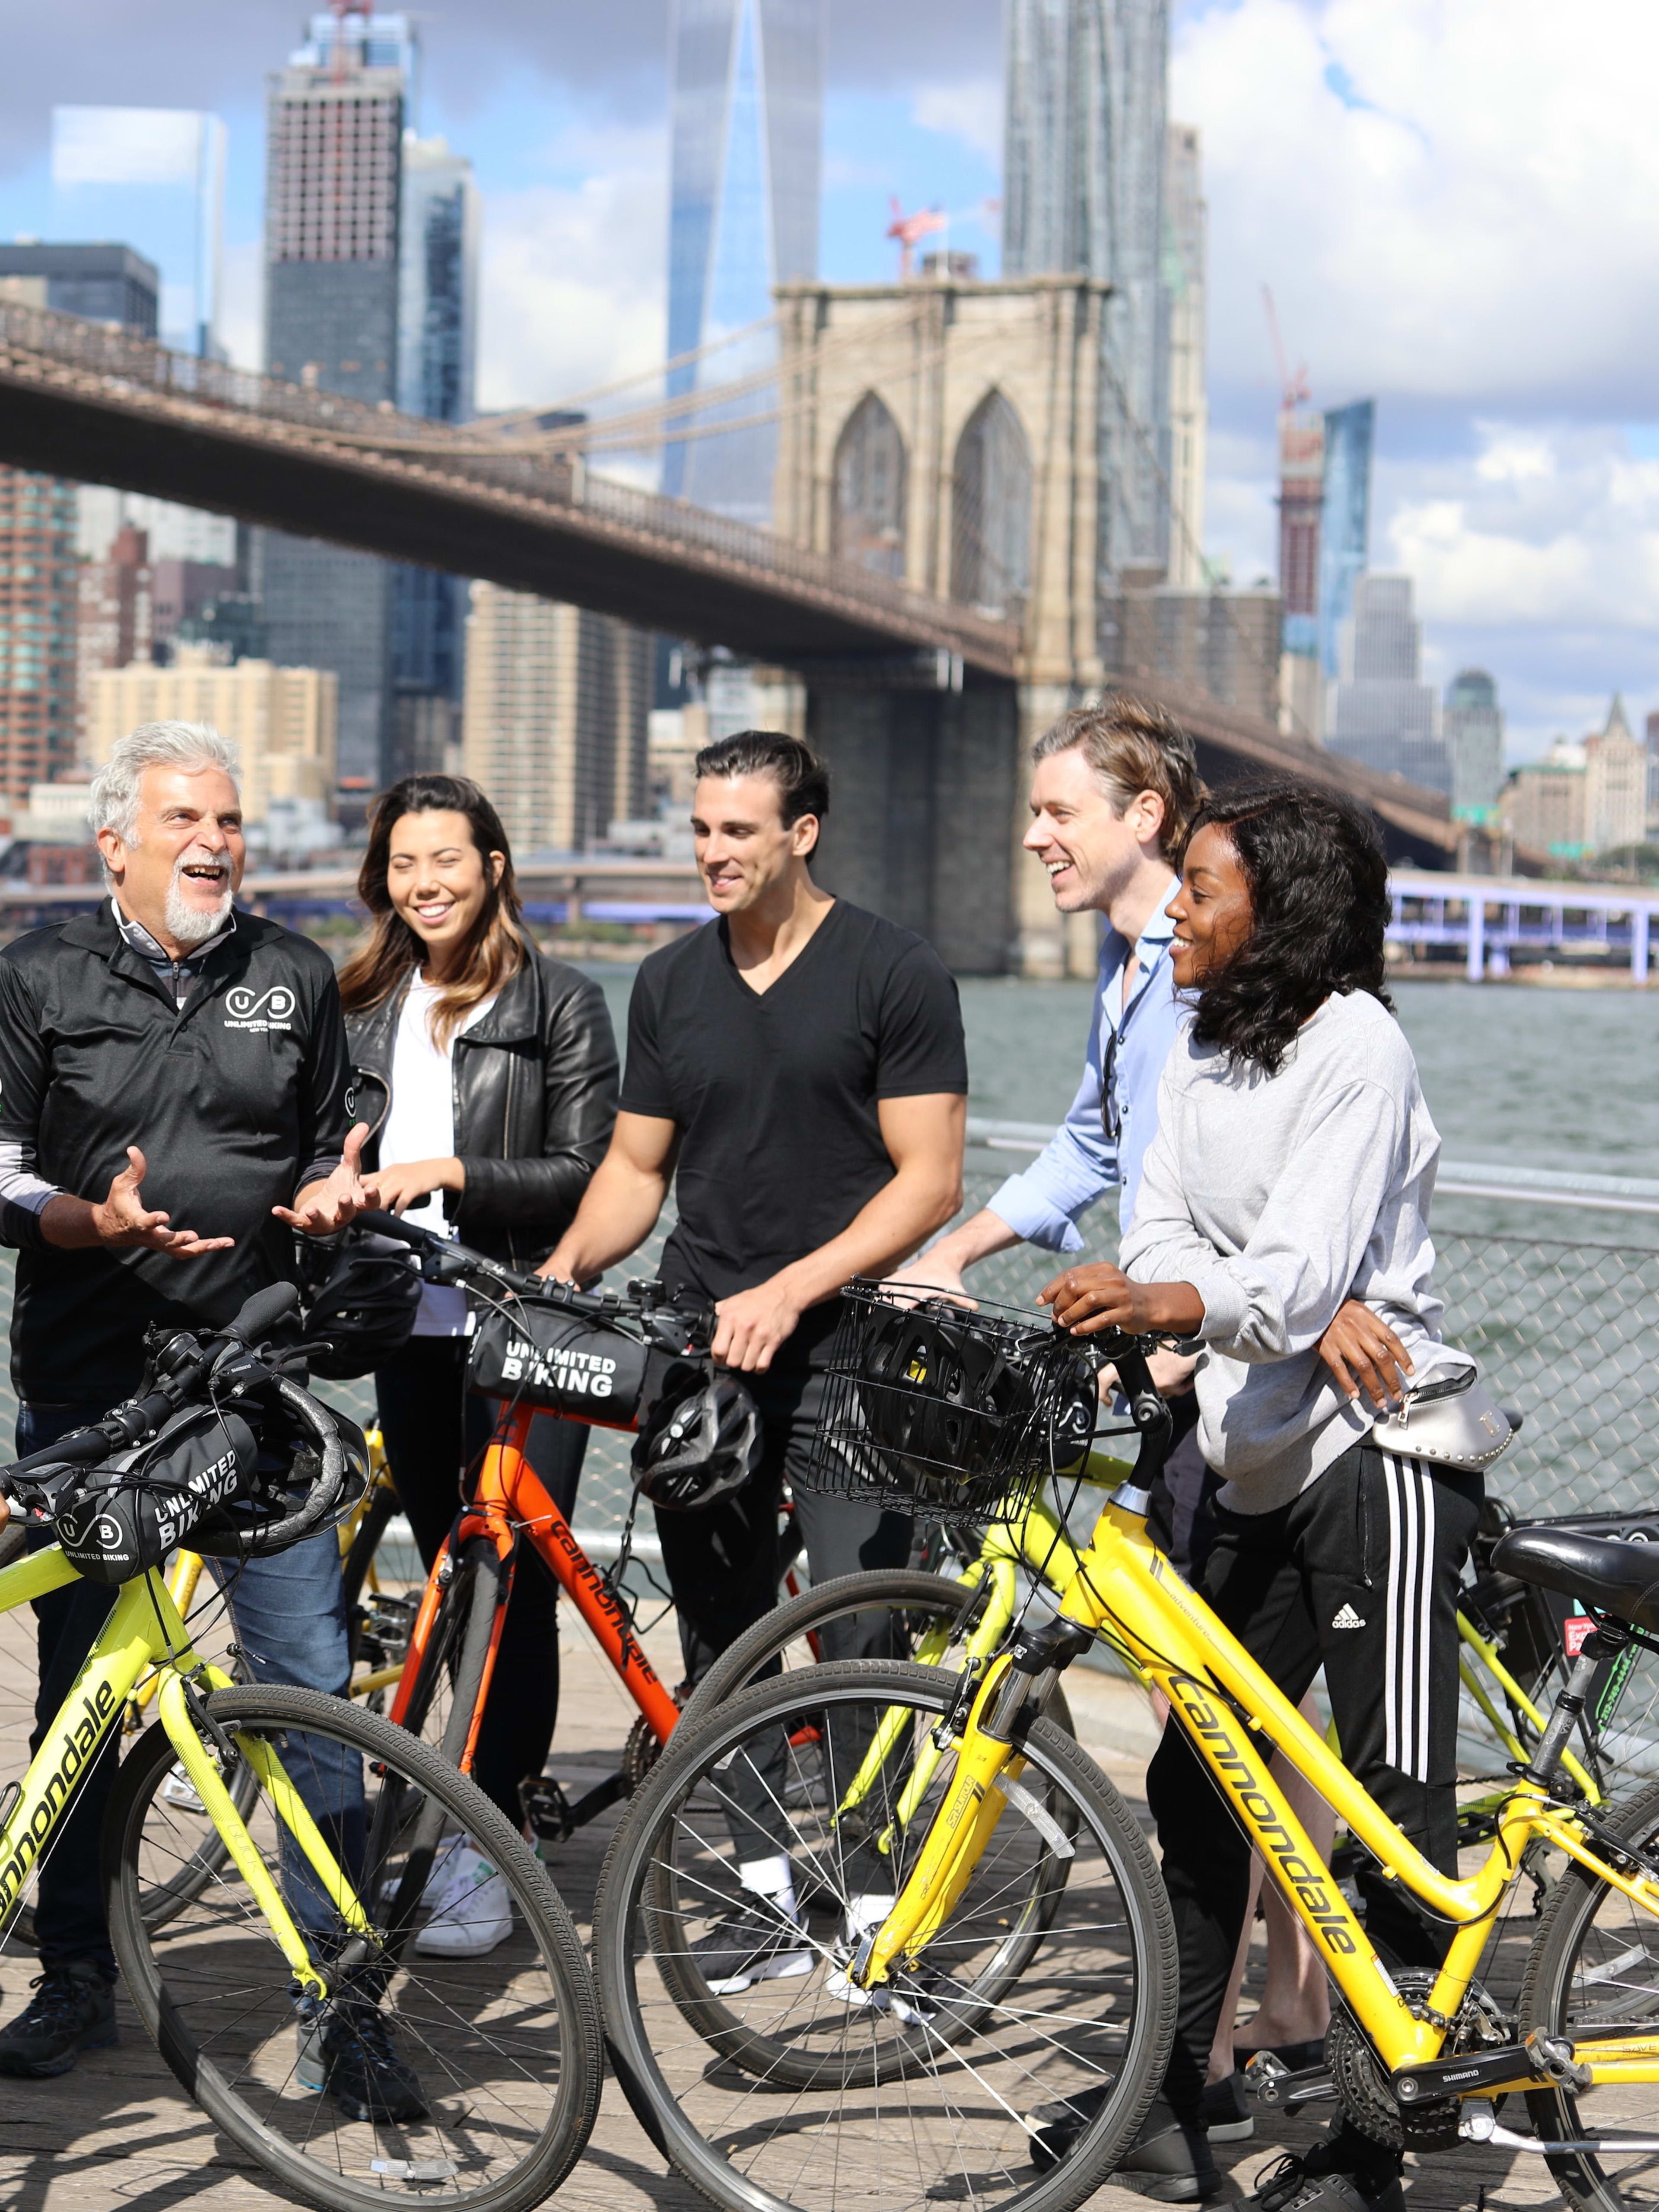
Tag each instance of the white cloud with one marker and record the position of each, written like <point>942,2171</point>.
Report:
<point>970,110</point>
<point>573,288</point>
<point>1447,200</point>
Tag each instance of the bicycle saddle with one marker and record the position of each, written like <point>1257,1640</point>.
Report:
<point>1622,1579</point>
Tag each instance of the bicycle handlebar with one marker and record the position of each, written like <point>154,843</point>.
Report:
<point>235,1356</point>
<point>444,1260</point>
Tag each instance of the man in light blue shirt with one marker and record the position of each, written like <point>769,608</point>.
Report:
<point>1113,790</point>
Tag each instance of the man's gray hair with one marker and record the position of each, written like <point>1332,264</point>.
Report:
<point>113,803</point>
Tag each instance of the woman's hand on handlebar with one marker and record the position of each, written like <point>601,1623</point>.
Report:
<point>1086,1300</point>
<point>402,1187</point>
<point>1359,1349</point>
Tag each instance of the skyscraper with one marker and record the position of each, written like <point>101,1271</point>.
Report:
<point>333,200</point>
<point>437,342</point>
<point>38,579</point>
<point>748,126</point>
<point>1473,725</point>
<point>1345,519</point>
<point>1083,189</point>
<point>1185,226</point>
<point>1383,714</point>
<point>156,177</point>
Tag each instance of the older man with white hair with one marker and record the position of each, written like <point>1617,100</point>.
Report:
<point>173,1081</point>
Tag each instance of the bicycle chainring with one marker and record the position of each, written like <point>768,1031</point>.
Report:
<point>639,1754</point>
<point>1361,2080</point>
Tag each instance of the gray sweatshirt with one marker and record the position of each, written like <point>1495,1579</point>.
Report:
<point>1277,1197</point>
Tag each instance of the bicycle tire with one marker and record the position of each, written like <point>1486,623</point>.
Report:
<point>1627,1947</point>
<point>456,1651</point>
<point>217,1995</point>
<point>709,2119</point>
<point>382,1510</point>
<point>906,1591</point>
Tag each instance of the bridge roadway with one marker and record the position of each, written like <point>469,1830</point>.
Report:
<point>89,402</point>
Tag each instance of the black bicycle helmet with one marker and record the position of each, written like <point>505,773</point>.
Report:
<point>699,1443</point>
<point>943,1400</point>
<point>366,1293</point>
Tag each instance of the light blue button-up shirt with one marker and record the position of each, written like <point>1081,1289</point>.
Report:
<point>1078,1165</point>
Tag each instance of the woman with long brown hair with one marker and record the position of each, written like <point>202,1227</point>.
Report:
<point>487,1072</point>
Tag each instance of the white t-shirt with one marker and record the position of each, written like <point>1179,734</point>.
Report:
<point>420,1125</point>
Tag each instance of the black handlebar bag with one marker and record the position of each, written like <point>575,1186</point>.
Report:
<point>560,1362</point>
<point>139,1505</point>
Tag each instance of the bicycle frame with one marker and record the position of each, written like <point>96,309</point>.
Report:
<point>510,1503</point>
<point>146,1632</point>
<point>1236,1718</point>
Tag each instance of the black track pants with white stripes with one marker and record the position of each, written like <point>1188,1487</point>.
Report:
<point>1359,1574</point>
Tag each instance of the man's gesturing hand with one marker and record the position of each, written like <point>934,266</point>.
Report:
<point>323,1207</point>
<point>123,1220</point>
<point>753,1324</point>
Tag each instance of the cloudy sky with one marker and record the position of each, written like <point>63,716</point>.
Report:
<point>1454,201</point>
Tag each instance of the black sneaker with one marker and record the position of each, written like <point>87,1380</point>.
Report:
<point>1224,2112</point>
<point>1307,2184</point>
<point>750,1946</point>
<point>350,2052</point>
<point>1166,2160</point>
<point>73,2011</point>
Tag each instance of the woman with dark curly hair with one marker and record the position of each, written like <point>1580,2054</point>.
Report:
<point>1293,1171</point>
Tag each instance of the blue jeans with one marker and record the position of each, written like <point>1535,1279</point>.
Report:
<point>290,1619</point>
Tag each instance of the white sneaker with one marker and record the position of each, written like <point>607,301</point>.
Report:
<point>469,1908</point>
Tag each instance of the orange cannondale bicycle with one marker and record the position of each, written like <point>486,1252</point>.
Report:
<point>597,1357</point>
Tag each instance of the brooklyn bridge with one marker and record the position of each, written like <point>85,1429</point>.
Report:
<point>920,703</point>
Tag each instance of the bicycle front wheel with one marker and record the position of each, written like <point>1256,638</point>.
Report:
<point>444,2075</point>
<point>770,2080</point>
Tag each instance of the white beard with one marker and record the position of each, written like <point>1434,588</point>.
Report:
<point>193,924</point>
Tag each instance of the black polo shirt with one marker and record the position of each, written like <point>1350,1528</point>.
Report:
<point>237,1100</point>
<point>775,1092</point>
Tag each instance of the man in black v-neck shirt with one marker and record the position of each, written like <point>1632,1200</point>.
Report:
<point>798,1068</point>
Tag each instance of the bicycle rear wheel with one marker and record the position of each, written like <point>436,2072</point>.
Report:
<point>1593,1970</point>
<point>929,1619</point>
<point>797,2089</point>
<point>504,2050</point>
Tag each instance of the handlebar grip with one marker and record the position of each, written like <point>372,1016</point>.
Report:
<point>265,1307</point>
<point>382,1223</point>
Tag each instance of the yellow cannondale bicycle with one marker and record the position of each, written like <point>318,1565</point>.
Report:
<point>267,1852</point>
<point>951,1917</point>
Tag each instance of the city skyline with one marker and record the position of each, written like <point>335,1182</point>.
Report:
<point>1517,476</point>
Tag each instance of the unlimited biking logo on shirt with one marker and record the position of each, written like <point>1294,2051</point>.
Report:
<point>260,1009</point>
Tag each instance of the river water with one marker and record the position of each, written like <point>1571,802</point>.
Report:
<point>1514,1075</point>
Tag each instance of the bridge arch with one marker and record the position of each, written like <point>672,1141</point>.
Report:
<point>870,486</point>
<point>991,511</point>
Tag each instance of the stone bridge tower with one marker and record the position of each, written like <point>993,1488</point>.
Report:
<point>946,433</point>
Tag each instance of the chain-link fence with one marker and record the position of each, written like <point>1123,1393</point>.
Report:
<point>1562,1332</point>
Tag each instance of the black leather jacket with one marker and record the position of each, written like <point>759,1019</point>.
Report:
<point>536,1085</point>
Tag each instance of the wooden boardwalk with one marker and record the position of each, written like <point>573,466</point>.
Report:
<point>117,2136</point>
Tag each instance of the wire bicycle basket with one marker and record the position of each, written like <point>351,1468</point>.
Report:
<point>959,1415</point>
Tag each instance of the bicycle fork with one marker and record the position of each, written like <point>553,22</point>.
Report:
<point>1014,1690</point>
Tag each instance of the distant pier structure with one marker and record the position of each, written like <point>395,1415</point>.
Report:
<point>1492,919</point>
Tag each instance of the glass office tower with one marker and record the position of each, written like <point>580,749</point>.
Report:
<point>748,127</point>
<point>1084,176</point>
<point>1345,521</point>
<point>154,177</point>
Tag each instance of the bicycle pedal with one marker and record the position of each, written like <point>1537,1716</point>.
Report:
<point>179,1789</point>
<point>1271,2081</point>
<point>547,1810</point>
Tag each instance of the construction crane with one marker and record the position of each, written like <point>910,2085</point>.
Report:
<point>911,230</point>
<point>1293,387</point>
